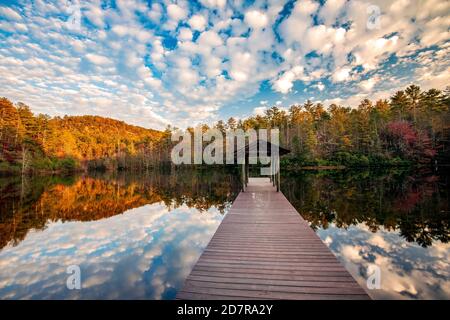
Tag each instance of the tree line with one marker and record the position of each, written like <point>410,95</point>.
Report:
<point>411,127</point>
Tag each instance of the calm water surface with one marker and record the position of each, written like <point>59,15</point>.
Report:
<point>394,220</point>
<point>134,237</point>
<point>138,236</point>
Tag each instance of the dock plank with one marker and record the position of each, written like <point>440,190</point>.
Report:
<point>264,249</point>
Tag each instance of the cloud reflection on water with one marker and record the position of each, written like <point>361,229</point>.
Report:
<point>146,252</point>
<point>408,271</point>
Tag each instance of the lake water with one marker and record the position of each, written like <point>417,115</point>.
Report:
<point>394,220</point>
<point>133,237</point>
<point>138,236</point>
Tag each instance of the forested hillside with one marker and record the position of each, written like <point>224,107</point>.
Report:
<point>31,143</point>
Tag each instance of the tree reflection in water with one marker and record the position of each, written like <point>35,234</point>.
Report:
<point>415,205</point>
<point>31,204</point>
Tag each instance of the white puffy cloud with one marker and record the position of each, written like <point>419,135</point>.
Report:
<point>367,85</point>
<point>300,19</point>
<point>214,3</point>
<point>212,66</point>
<point>185,34</point>
<point>331,10</point>
<point>342,74</point>
<point>95,15</point>
<point>120,30</point>
<point>198,22</point>
<point>285,82</point>
<point>98,59</point>
<point>10,13</point>
<point>241,65</point>
<point>322,39</point>
<point>210,39</point>
<point>259,111</point>
<point>437,31</point>
<point>156,12</point>
<point>13,27</point>
<point>369,54</point>
<point>176,12</point>
<point>256,19</point>
<point>132,59</point>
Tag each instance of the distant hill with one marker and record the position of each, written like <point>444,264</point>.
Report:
<point>31,142</point>
<point>94,137</point>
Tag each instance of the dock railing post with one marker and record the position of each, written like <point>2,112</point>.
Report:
<point>270,175</point>
<point>271,169</point>
<point>247,173</point>
<point>244,183</point>
<point>274,173</point>
<point>278,174</point>
<point>274,170</point>
<point>270,172</point>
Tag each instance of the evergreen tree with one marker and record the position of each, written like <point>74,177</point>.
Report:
<point>399,104</point>
<point>414,96</point>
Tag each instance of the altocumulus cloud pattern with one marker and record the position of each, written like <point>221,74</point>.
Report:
<point>180,62</point>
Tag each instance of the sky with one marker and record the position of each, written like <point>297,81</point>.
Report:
<point>153,63</point>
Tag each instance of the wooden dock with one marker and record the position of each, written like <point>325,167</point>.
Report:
<point>264,249</point>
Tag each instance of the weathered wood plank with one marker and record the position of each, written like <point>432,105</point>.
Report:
<point>273,288</point>
<point>271,276</point>
<point>270,271</point>
<point>320,269</point>
<point>220,293</point>
<point>273,282</point>
<point>263,249</point>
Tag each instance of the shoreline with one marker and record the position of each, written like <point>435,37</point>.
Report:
<point>16,173</point>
